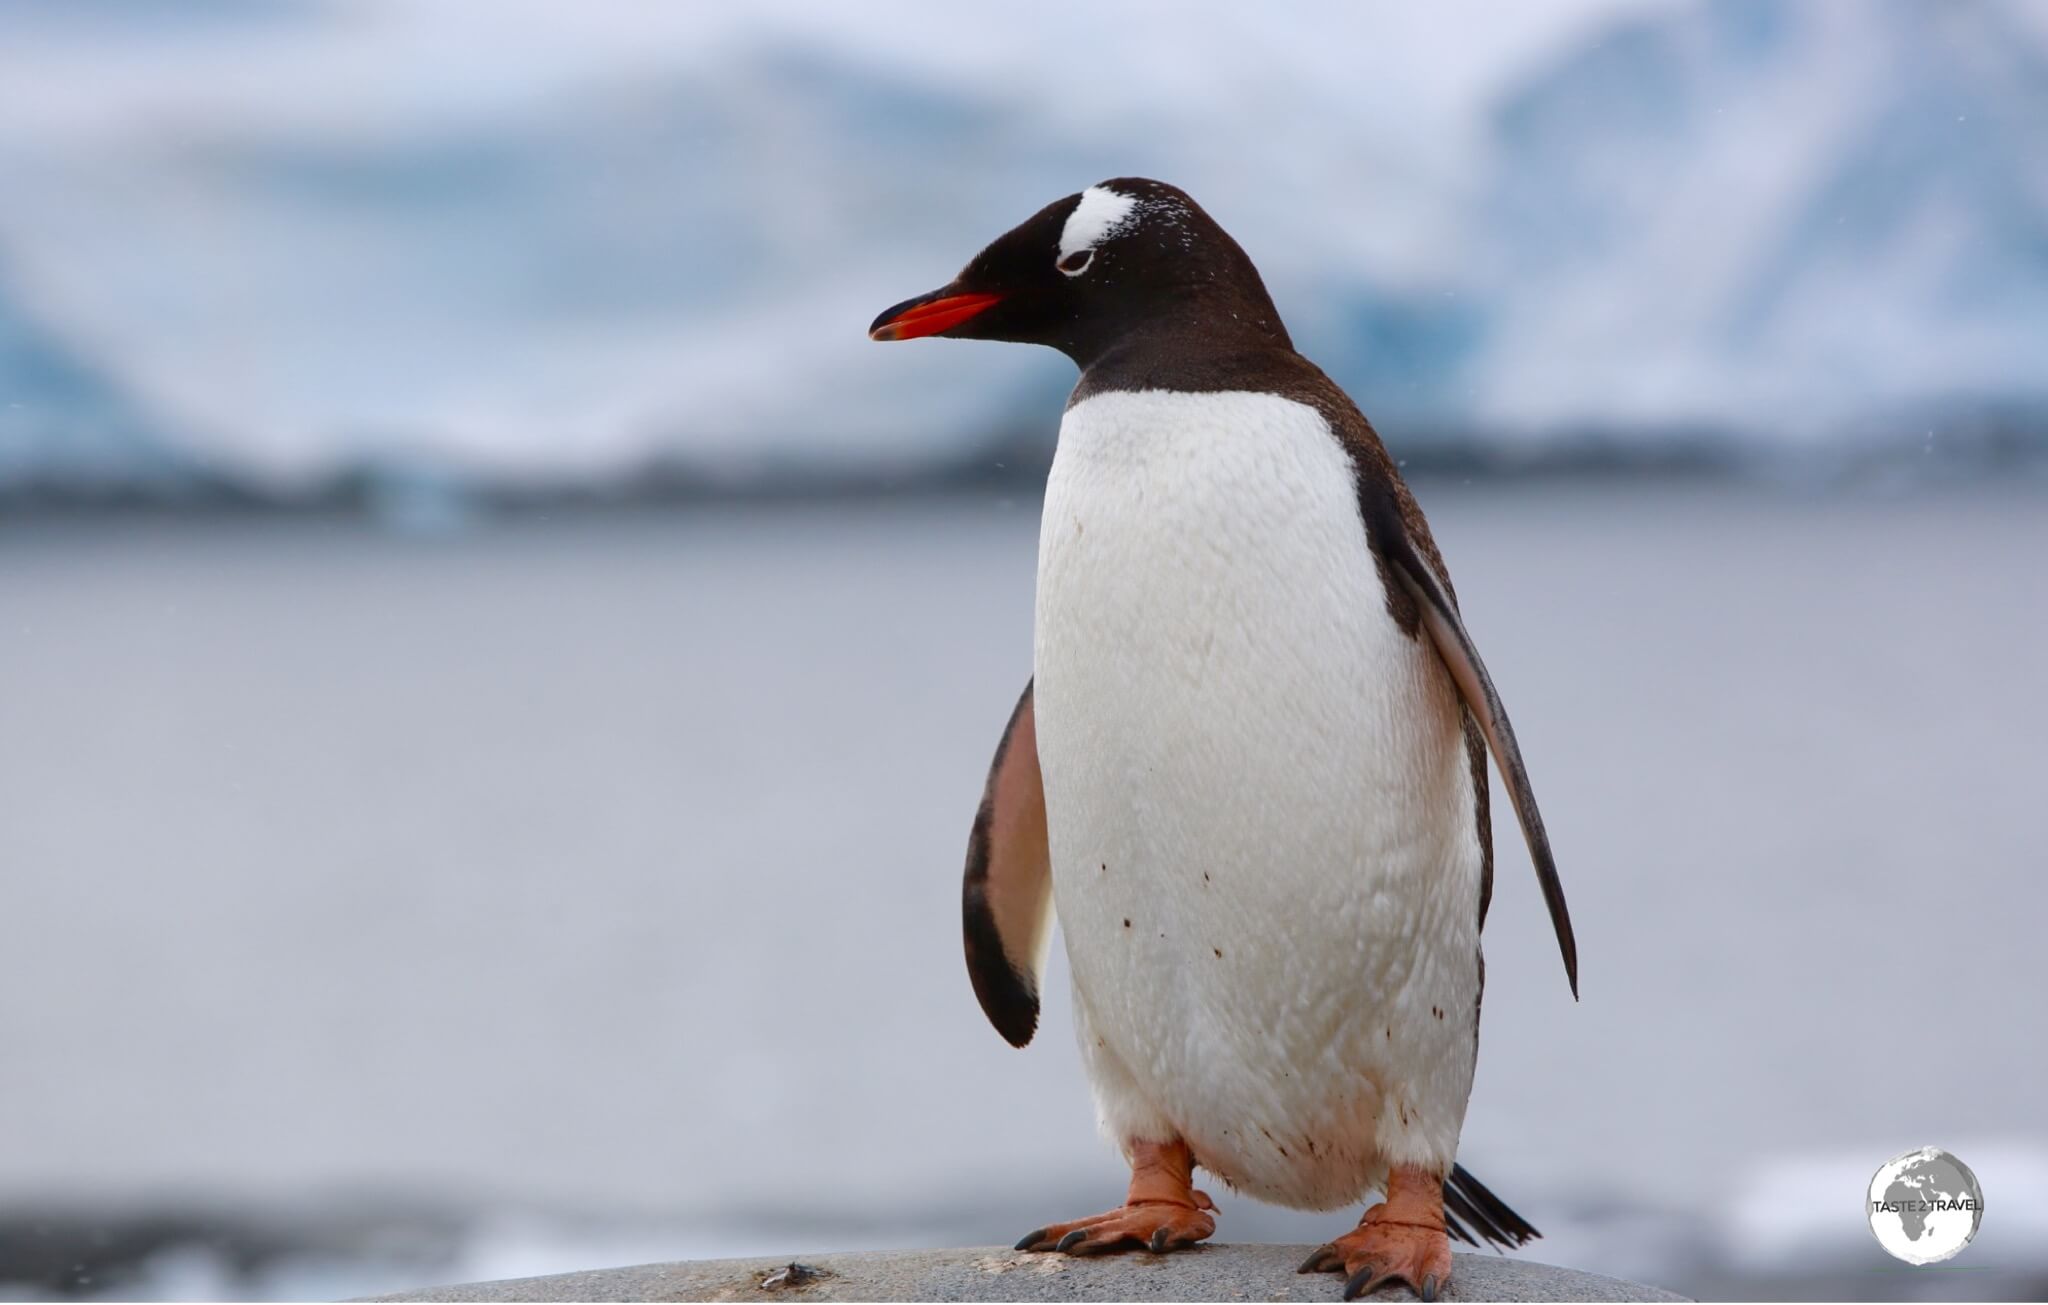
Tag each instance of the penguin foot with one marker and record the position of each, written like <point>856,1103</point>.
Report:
<point>1162,1211</point>
<point>1155,1225</point>
<point>1402,1240</point>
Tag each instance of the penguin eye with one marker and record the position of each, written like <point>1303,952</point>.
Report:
<point>1077,262</point>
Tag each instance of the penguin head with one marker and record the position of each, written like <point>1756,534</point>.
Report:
<point>1086,272</point>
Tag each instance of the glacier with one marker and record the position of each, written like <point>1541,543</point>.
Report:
<point>277,246</point>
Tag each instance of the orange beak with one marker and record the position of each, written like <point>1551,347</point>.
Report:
<point>929,315</point>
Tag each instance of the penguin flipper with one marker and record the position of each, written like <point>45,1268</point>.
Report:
<point>1439,616</point>
<point>1006,900</point>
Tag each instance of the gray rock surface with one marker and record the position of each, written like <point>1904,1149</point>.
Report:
<point>1204,1273</point>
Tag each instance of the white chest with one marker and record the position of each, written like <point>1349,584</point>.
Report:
<point>1257,795</point>
<point>1213,645</point>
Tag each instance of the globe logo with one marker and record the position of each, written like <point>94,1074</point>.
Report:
<point>1925,1205</point>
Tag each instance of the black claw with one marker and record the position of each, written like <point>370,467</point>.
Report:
<point>1361,1282</point>
<point>1160,1235</point>
<point>1030,1239</point>
<point>1429,1287</point>
<point>1315,1258</point>
<point>1072,1239</point>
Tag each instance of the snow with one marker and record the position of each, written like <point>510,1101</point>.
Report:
<point>291,240</point>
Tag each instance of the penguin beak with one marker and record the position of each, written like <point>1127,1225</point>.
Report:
<point>931,314</point>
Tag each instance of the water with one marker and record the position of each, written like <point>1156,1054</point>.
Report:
<point>562,891</point>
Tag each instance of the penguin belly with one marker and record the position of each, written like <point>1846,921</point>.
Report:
<point>1265,858</point>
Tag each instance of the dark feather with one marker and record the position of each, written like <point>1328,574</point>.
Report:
<point>1469,1208</point>
<point>1386,532</point>
<point>1007,991</point>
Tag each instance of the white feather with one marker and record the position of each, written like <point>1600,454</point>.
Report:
<point>1258,800</point>
<point>1100,214</point>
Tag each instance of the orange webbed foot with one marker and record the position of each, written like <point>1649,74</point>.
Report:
<point>1162,1211</point>
<point>1158,1226</point>
<point>1400,1240</point>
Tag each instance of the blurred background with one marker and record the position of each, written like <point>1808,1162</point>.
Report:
<point>496,670</point>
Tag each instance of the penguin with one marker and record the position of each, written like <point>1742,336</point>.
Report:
<point>1248,774</point>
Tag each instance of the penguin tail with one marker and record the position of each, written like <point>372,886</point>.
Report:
<point>1474,1215</point>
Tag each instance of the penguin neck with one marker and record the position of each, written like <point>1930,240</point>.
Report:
<point>1202,344</point>
<point>1216,313</point>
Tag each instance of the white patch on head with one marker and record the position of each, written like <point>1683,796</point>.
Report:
<point>1100,214</point>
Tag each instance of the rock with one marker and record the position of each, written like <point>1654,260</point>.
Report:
<point>1204,1273</point>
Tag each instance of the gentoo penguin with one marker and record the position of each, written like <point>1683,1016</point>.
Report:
<point>1249,771</point>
